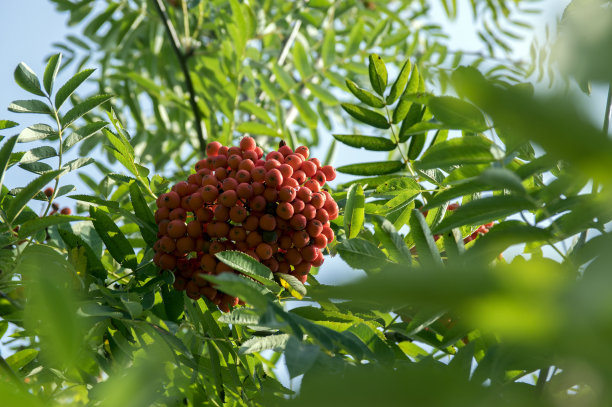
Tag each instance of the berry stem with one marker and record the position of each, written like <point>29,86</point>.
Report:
<point>397,144</point>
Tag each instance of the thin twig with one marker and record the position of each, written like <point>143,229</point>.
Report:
<point>608,114</point>
<point>182,58</point>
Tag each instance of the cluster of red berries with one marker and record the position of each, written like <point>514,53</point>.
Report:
<point>55,207</point>
<point>272,208</point>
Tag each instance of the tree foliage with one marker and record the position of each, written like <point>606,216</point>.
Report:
<point>483,238</point>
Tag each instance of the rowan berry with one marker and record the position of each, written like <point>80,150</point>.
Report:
<point>299,176</point>
<point>48,192</point>
<point>285,242</point>
<point>272,264</point>
<point>208,263</point>
<point>167,262</point>
<point>284,210</point>
<point>264,251</point>
<point>222,229</point>
<point>162,227</point>
<point>303,268</point>
<point>222,213</point>
<point>258,174</point>
<point>314,227</point>
<point>253,238</point>
<point>309,253</point>
<point>298,205</point>
<point>313,185</point>
<point>270,195</point>
<point>250,155</point>
<point>209,193</point>
<point>237,234</point>
<point>271,164</point>
<point>316,162</point>
<point>185,244</point>
<point>294,161</point>
<point>216,247</point>
<point>284,267</point>
<point>303,151</point>
<point>167,244</point>
<point>319,241</point>
<point>171,200</point>
<point>274,178</point>
<point>329,171</point>
<point>300,239</point>
<point>228,198</point>
<point>320,178</point>
<point>318,200</point>
<point>219,161</point>
<point>234,161</point>
<point>293,256</point>
<point>305,194</point>
<point>329,233</point>
<point>195,201</point>
<point>212,148</point>
<point>204,214</point>
<point>285,150</point>
<point>258,188</point>
<point>257,203</point>
<point>267,222</point>
<point>246,165</point>
<point>176,228</point>
<point>309,212</point>
<point>178,213</point>
<point>229,184</point>
<point>275,155</point>
<point>194,229</point>
<point>222,268</point>
<point>259,152</point>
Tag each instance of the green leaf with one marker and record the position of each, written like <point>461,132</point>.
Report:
<point>144,213</point>
<point>258,343</point>
<point>94,265</point>
<point>457,114</point>
<point>301,60</point>
<point>485,210</point>
<point>354,212</point>
<point>5,155</point>
<point>117,244</point>
<point>366,116</point>
<point>328,49</point>
<point>354,39</point>
<point>30,106</point>
<point>174,303</point>
<point>291,284</point>
<point>83,108</point>
<point>391,240</point>
<point>309,116</point>
<point>300,356</point>
<point>363,95</point>
<point>27,193</point>
<point>256,111</point>
<point>51,70</point>
<point>240,316</point>
<point>36,132</point>
<point>398,185</point>
<point>319,92</point>
<point>246,265</point>
<point>361,254</point>
<point>18,360</point>
<point>400,83</point>
<point>7,124</point>
<point>502,178</point>
<point>372,168</point>
<point>37,154</point>
<point>368,142</point>
<point>82,133</point>
<point>256,128</point>
<point>425,244</point>
<point>27,79</point>
<point>30,227</point>
<point>457,151</point>
<point>70,86</point>
<point>77,163</point>
<point>378,74</point>
<point>405,104</point>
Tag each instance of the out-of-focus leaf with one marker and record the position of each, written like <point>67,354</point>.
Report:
<point>7,124</point>
<point>116,242</point>
<point>23,197</point>
<point>34,225</point>
<point>18,360</point>
<point>361,254</point>
<point>5,155</point>
<point>257,128</point>
<point>300,356</point>
<point>259,344</point>
<point>292,284</point>
<point>425,244</point>
<point>457,151</point>
<point>457,114</point>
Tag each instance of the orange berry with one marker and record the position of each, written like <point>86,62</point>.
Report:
<point>314,228</point>
<point>328,232</point>
<point>244,190</point>
<point>294,160</point>
<point>219,161</point>
<point>209,292</point>
<point>171,200</point>
<point>320,241</point>
<point>329,171</point>
<point>284,210</point>
<point>291,183</point>
<point>185,244</point>
<point>275,155</point>
<point>259,152</point>
<point>202,245</point>
<point>267,222</point>
<point>229,184</point>
<point>247,143</point>
<point>195,179</point>
<point>204,214</point>
<point>176,228</point>
<point>318,200</point>
<point>194,229</point>
<point>223,150</point>
<point>309,168</point>
<point>222,268</point>
<point>247,165</point>
<point>319,260</point>
<point>272,264</point>
<point>298,205</point>
<point>303,268</point>
<point>243,176</point>
<point>305,194</point>
<point>167,262</point>
<point>238,214</point>
<point>303,151</point>
<point>264,251</point>
<point>221,173</point>
<point>299,176</point>
<point>285,150</point>
<point>285,170</point>
<point>216,247</point>
<point>322,215</point>
<point>313,185</point>
<point>293,256</point>
<point>234,150</point>
<point>300,239</point>
<point>316,162</point>
<point>274,178</point>
<point>222,229</point>
<point>209,193</point>
<point>270,195</point>
<point>162,214</point>
<point>287,194</point>
<point>195,201</point>
<point>285,242</point>
<point>167,244</point>
<point>234,161</point>
<point>181,188</point>
<point>179,284</point>
<point>163,227</point>
<point>258,188</point>
<point>258,174</point>
<point>222,213</point>
<point>298,222</point>
<point>237,234</point>
<point>212,148</point>
<point>210,179</point>
<point>208,263</point>
<point>48,192</point>
<point>309,212</point>
<point>251,223</point>
<point>178,213</point>
<point>309,253</point>
<point>257,203</point>
<point>283,267</point>
<point>320,178</point>
<point>250,155</point>
<point>228,198</point>
<point>254,238</point>
<point>271,164</point>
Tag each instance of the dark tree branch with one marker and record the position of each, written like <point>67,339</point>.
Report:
<point>182,58</point>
